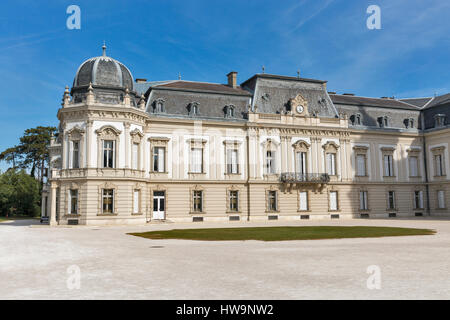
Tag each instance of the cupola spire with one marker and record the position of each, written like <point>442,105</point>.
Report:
<point>104,48</point>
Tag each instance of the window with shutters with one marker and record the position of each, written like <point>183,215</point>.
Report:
<point>441,199</point>
<point>418,199</point>
<point>388,162</point>
<point>75,154</point>
<point>73,201</point>
<point>391,203</point>
<point>303,204</point>
<point>270,156</point>
<point>158,159</point>
<point>232,161</point>
<point>439,161</point>
<point>361,156</point>
<point>363,200</point>
<point>413,166</point>
<point>301,149</point>
<point>196,156</point>
<point>136,201</point>
<point>333,201</point>
<point>159,154</point>
<point>135,156</point>
<point>331,150</point>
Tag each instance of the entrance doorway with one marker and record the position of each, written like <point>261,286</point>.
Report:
<point>159,201</point>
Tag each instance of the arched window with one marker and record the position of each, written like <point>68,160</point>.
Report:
<point>158,106</point>
<point>193,109</point>
<point>229,111</point>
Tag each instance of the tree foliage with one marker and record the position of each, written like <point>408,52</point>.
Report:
<point>19,193</point>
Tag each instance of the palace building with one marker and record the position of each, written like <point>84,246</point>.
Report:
<point>272,148</point>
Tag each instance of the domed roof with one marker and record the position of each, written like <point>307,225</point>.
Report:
<point>103,71</point>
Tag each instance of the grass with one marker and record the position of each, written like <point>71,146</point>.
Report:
<point>282,233</point>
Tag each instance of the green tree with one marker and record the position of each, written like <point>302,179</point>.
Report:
<point>12,156</point>
<point>19,193</point>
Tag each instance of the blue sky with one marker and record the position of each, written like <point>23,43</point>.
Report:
<point>204,40</point>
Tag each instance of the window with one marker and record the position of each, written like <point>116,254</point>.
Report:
<point>108,153</point>
<point>194,108</point>
<point>418,199</point>
<point>331,163</point>
<point>333,201</point>
<point>229,111</point>
<point>108,201</point>
<point>300,162</point>
<point>358,120</point>
<point>388,165</point>
<point>270,162</point>
<point>439,120</point>
<point>75,154</point>
<point>439,164</point>
<point>234,201</point>
<point>136,197</point>
<point>159,106</point>
<point>413,166</point>
<point>272,201</point>
<point>441,199</point>
<point>73,200</point>
<point>391,200</point>
<point>361,165</point>
<point>196,161</point>
<point>383,122</point>
<point>232,161</point>
<point>303,199</point>
<point>158,159</point>
<point>135,156</point>
<point>197,201</point>
<point>363,204</point>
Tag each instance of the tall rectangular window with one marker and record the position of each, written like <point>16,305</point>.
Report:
<point>333,200</point>
<point>135,155</point>
<point>391,200</point>
<point>159,159</point>
<point>331,163</point>
<point>196,161</point>
<point>439,164</point>
<point>232,161</point>
<point>108,201</point>
<point>363,204</point>
<point>197,201</point>
<point>388,165</point>
<point>303,198</point>
<point>108,153</point>
<point>272,200</point>
<point>418,199</point>
<point>75,154</point>
<point>413,166</point>
<point>441,199</point>
<point>234,200</point>
<point>361,165</point>
<point>136,200</point>
<point>270,162</point>
<point>300,162</point>
<point>73,199</point>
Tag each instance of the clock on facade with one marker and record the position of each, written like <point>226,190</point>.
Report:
<point>300,108</point>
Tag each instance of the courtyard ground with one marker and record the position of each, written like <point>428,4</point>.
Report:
<point>39,262</point>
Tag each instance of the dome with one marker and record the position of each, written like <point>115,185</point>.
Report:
<point>103,71</point>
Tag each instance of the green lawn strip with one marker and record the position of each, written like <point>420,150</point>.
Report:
<point>283,233</point>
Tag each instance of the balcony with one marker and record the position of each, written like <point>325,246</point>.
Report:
<point>294,177</point>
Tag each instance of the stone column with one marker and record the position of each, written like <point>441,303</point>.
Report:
<point>283,154</point>
<point>88,143</point>
<point>126,126</point>
<point>258,164</point>
<point>53,221</point>
<point>289,154</point>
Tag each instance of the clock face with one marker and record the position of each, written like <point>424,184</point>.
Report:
<point>299,109</point>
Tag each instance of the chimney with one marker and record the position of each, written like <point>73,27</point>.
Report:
<point>232,79</point>
<point>141,80</point>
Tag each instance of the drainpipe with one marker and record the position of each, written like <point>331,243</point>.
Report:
<point>248,175</point>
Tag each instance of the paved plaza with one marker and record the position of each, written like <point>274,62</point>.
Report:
<point>39,262</point>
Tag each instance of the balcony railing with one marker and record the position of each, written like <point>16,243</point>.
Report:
<point>294,177</point>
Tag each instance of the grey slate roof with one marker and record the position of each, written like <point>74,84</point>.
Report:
<point>271,94</point>
<point>418,102</point>
<point>372,102</point>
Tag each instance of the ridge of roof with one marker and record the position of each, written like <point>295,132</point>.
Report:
<point>279,77</point>
<point>402,104</point>
<point>202,87</point>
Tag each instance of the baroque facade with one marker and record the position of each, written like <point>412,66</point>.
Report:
<point>272,148</point>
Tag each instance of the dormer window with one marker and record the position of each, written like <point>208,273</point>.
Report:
<point>158,106</point>
<point>439,120</point>
<point>229,111</point>
<point>383,122</point>
<point>358,119</point>
<point>409,123</point>
<point>193,109</point>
